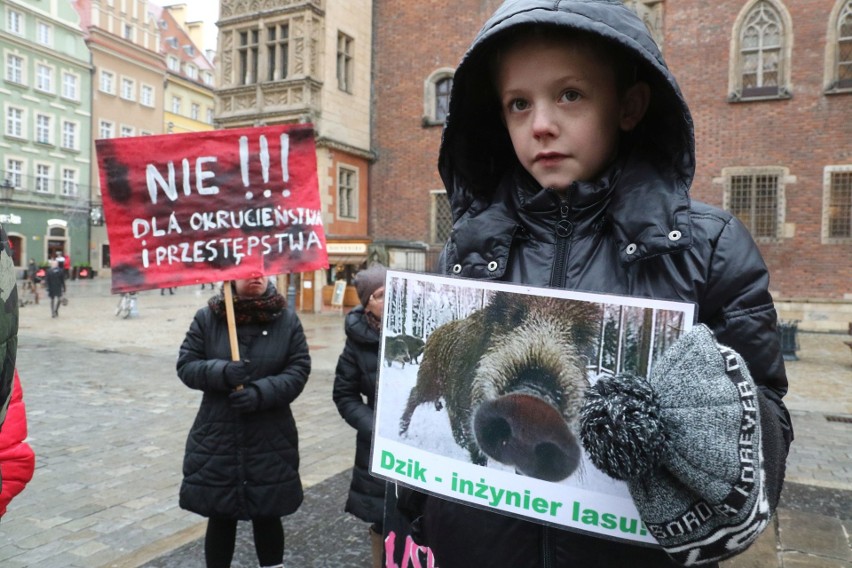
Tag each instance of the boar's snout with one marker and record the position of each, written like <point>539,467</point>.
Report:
<point>526,431</point>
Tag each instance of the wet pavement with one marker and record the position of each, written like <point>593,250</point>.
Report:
<point>108,418</point>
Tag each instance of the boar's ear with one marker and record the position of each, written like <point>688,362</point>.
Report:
<point>499,308</point>
<point>587,318</point>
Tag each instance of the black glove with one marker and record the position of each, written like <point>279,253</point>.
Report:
<point>236,373</point>
<point>246,399</point>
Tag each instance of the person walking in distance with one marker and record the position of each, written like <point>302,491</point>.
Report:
<point>55,278</point>
<point>242,452</point>
<point>355,396</point>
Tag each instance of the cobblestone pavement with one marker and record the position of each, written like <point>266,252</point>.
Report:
<point>108,420</point>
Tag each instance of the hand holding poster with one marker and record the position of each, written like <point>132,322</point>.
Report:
<point>488,416</point>
<point>211,206</point>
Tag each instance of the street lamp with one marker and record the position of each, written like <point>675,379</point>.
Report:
<point>6,190</point>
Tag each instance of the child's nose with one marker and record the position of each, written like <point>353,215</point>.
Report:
<point>544,123</point>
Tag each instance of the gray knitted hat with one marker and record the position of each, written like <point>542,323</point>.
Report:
<point>368,281</point>
<point>687,441</point>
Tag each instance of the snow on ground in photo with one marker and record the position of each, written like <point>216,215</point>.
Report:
<point>430,430</point>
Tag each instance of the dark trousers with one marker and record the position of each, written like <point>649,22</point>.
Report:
<point>55,302</point>
<point>222,534</point>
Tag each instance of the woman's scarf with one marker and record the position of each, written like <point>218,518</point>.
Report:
<point>373,321</point>
<point>261,309</point>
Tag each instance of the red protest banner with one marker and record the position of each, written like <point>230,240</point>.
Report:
<point>209,206</point>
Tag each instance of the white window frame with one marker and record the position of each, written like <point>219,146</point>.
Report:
<point>352,193</point>
<point>14,21</point>
<point>106,82</point>
<point>106,129</point>
<point>192,72</point>
<point>126,131</point>
<point>70,86</point>
<point>44,33</point>
<point>70,135</point>
<point>194,111</point>
<point>16,73</point>
<point>128,89</point>
<point>146,95</point>
<point>827,201</point>
<point>177,103</point>
<point>15,124</point>
<point>44,78</point>
<point>173,63</point>
<point>14,171</point>
<point>70,182</point>
<point>43,128</point>
<point>210,114</point>
<point>42,177</point>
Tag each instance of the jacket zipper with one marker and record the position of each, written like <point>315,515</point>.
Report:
<point>563,231</point>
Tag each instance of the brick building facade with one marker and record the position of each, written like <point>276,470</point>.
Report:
<point>769,84</point>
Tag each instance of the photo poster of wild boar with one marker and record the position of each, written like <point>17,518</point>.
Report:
<point>480,386</point>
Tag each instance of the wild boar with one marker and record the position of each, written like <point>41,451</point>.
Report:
<point>512,376</point>
<point>415,346</point>
<point>396,350</point>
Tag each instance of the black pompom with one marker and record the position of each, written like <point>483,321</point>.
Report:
<point>621,428</point>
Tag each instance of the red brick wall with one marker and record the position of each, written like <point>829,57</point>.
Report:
<point>411,41</point>
<point>803,133</point>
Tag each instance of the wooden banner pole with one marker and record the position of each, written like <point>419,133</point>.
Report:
<point>232,323</point>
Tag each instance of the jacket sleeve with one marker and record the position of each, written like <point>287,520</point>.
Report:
<point>8,323</point>
<point>744,318</point>
<point>193,367</point>
<point>17,459</point>
<point>347,391</point>
<point>283,388</point>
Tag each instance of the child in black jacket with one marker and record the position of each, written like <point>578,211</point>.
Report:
<point>567,157</point>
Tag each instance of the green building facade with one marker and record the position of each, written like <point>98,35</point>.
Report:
<point>45,139</point>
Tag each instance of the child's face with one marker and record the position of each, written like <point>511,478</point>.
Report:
<point>562,109</point>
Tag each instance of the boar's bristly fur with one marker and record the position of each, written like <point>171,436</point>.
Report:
<point>512,376</point>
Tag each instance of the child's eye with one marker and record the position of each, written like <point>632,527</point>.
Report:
<point>517,105</point>
<point>570,96</point>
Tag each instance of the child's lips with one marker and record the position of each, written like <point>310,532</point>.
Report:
<point>549,157</point>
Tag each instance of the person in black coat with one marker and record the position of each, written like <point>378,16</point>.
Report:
<point>355,396</point>
<point>55,279</point>
<point>242,453</point>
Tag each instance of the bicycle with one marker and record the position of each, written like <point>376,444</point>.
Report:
<point>126,305</point>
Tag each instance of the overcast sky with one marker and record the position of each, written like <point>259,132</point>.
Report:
<point>205,10</point>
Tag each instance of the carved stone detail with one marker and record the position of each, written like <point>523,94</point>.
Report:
<point>245,102</point>
<point>651,13</point>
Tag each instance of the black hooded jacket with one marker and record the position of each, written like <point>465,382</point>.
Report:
<point>634,231</point>
<point>355,395</point>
